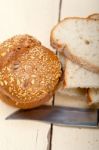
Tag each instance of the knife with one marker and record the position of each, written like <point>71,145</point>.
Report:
<point>59,115</point>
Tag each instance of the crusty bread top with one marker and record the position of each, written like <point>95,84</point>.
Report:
<point>31,71</point>
<point>78,39</point>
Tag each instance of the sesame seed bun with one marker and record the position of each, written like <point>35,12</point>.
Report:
<point>29,72</point>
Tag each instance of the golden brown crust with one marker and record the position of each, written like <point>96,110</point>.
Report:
<point>27,105</point>
<point>53,42</point>
<point>65,49</point>
<point>94,16</point>
<point>31,75</point>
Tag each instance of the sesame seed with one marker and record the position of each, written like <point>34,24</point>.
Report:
<point>18,82</point>
<point>10,89</point>
<point>1,83</point>
<point>8,69</point>
<point>5,82</point>
<point>11,79</point>
<point>32,81</point>
<point>33,75</point>
<point>3,54</point>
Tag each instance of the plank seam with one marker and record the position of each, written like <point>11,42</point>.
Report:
<point>53,102</point>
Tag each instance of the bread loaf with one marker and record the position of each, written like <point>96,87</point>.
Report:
<point>29,72</point>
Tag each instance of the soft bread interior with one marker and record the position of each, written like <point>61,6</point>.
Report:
<point>80,36</point>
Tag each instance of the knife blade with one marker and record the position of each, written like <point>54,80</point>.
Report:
<point>59,115</point>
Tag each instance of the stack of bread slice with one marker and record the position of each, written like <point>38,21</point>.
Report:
<point>77,41</point>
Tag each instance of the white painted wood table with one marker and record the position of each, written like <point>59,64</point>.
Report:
<point>37,17</point>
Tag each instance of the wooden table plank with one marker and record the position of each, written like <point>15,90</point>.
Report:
<point>24,135</point>
<point>66,138</point>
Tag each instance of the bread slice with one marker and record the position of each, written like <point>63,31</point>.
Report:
<point>76,76</point>
<point>76,92</point>
<point>78,39</point>
<point>94,16</point>
<point>93,96</point>
<point>67,91</point>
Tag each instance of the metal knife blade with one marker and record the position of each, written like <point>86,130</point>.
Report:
<point>59,115</point>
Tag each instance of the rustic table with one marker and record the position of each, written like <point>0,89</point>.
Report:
<point>37,17</point>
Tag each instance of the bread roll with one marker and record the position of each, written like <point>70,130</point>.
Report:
<point>29,72</point>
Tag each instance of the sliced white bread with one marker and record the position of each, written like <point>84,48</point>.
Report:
<point>78,39</point>
<point>76,92</point>
<point>75,97</point>
<point>76,76</point>
<point>94,16</point>
<point>93,96</point>
<point>72,92</point>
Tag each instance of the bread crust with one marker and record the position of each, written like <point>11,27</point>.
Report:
<point>26,105</point>
<point>89,100</point>
<point>94,16</point>
<point>14,47</point>
<point>65,49</point>
<point>31,73</point>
